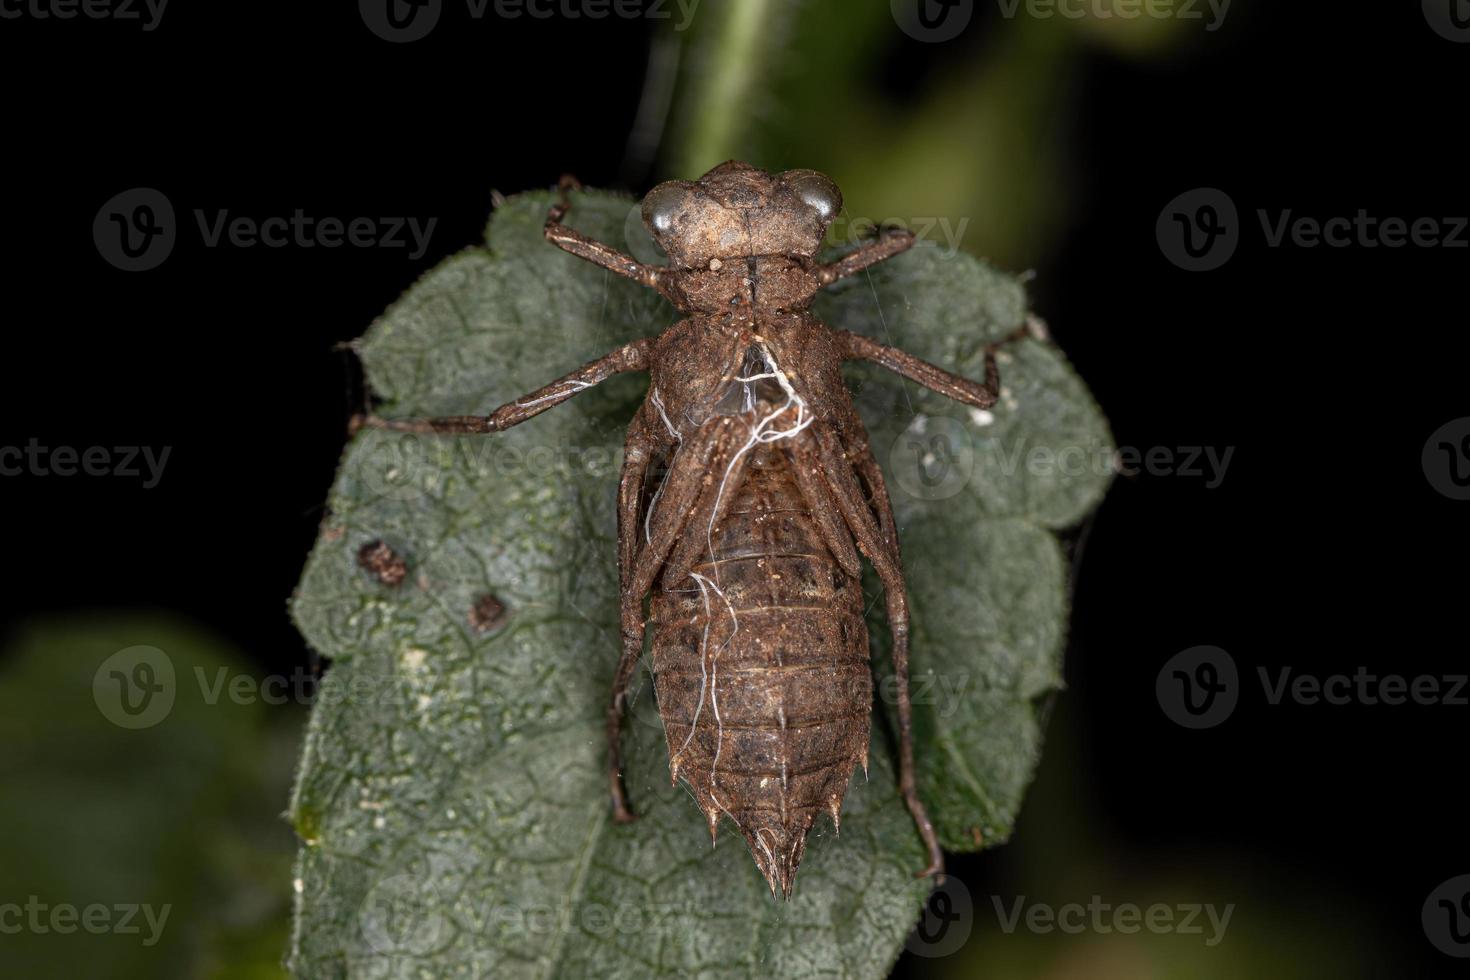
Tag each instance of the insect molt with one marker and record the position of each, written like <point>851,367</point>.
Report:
<point>750,546</point>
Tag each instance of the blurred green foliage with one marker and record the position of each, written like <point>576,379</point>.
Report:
<point>182,814</point>
<point>972,130</point>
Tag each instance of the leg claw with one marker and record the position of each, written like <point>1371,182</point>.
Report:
<point>935,869</point>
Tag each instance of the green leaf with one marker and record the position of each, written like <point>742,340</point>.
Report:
<point>452,799</point>
<point>976,495</point>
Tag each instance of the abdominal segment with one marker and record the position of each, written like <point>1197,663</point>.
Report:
<point>760,662</point>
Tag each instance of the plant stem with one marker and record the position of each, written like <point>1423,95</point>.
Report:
<point>731,61</point>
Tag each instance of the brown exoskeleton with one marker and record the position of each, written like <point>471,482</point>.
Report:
<point>750,545</point>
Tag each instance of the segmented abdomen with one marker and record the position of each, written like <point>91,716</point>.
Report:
<point>760,662</point>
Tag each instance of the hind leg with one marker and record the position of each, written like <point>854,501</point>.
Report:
<point>877,540</point>
<point>637,567</point>
<point>638,452</point>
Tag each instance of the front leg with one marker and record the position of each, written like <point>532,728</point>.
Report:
<point>933,377</point>
<point>571,240</point>
<point>889,244</point>
<point>632,357</point>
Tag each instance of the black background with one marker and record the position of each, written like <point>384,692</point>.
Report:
<point>1327,369</point>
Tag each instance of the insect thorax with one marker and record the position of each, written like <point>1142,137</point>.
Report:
<point>762,282</point>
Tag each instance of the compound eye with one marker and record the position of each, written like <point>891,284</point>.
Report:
<point>816,190</point>
<point>662,204</point>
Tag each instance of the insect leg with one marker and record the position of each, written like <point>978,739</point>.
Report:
<point>632,357</point>
<point>807,469</point>
<point>638,450</point>
<point>571,240</point>
<point>727,468</point>
<point>931,376</point>
<point>637,567</point>
<point>887,245</point>
<point>884,555</point>
<point>709,448</point>
<point>871,476</point>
